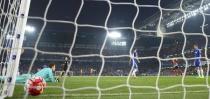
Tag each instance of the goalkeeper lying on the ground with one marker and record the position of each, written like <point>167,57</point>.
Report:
<point>46,73</point>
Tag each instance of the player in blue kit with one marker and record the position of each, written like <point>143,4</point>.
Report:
<point>134,61</point>
<point>197,61</point>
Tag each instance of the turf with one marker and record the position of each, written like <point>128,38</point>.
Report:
<point>142,87</point>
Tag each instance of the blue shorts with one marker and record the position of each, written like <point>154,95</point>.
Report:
<point>197,63</point>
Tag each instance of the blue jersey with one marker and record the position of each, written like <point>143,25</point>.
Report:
<point>47,74</point>
<point>197,56</point>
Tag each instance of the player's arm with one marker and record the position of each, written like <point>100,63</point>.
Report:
<point>51,76</point>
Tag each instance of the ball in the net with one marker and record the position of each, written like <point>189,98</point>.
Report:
<point>35,86</point>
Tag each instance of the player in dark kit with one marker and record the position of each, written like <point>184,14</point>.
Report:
<point>65,65</point>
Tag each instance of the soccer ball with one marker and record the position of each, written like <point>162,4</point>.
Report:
<point>35,86</point>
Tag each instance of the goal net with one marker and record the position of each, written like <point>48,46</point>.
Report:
<point>92,44</point>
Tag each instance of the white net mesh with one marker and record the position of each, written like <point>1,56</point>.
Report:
<point>98,65</point>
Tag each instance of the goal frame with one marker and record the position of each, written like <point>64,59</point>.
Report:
<point>14,57</point>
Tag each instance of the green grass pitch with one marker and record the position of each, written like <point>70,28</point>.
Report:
<point>142,87</point>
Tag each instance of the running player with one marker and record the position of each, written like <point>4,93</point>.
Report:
<point>197,61</point>
<point>134,61</point>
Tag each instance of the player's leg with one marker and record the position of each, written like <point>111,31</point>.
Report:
<point>201,72</point>
<point>19,79</point>
<point>135,70</point>
<point>132,74</point>
<point>22,78</point>
<point>132,69</point>
<point>198,71</point>
<point>197,65</point>
<point>176,73</point>
<point>174,70</point>
<point>180,71</point>
<point>62,73</point>
<point>177,70</point>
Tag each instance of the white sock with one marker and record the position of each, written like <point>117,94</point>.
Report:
<point>198,71</point>
<point>134,74</point>
<point>201,71</point>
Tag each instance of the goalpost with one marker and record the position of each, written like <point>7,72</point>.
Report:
<point>13,18</point>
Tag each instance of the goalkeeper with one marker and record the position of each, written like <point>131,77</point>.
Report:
<point>45,73</point>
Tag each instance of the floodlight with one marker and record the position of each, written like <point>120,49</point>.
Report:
<point>114,34</point>
<point>30,28</point>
